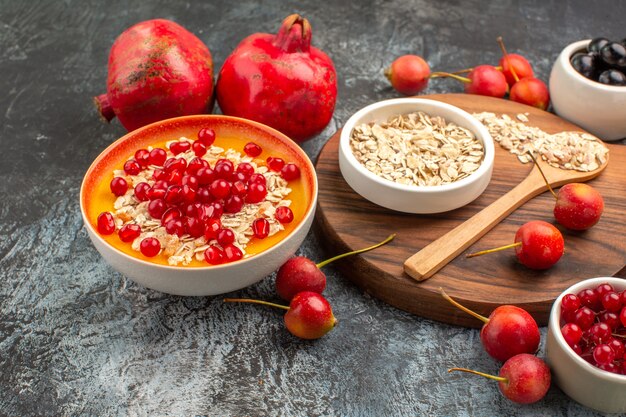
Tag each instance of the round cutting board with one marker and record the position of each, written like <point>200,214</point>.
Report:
<point>346,221</point>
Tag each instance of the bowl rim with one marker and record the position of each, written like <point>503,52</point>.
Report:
<point>184,119</point>
<point>564,59</point>
<point>555,327</point>
<point>487,140</point>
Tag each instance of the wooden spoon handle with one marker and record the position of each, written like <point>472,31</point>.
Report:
<point>437,254</point>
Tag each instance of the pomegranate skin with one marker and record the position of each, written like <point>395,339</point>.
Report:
<point>281,81</point>
<point>157,70</point>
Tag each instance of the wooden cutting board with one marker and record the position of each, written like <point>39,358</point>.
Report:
<point>346,221</point>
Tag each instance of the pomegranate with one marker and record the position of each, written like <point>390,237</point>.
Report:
<point>157,70</point>
<point>280,80</point>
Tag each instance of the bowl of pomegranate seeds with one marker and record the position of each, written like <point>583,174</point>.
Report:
<point>199,205</point>
<point>585,345</point>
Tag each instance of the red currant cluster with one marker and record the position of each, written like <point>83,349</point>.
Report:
<point>189,197</point>
<point>595,326</point>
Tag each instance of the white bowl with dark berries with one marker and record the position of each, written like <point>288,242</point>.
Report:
<point>585,344</point>
<point>588,86</point>
<point>199,205</point>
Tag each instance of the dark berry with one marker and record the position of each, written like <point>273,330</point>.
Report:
<point>614,53</point>
<point>612,77</point>
<point>596,44</point>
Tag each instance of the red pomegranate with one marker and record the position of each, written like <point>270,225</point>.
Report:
<point>157,70</point>
<point>280,80</point>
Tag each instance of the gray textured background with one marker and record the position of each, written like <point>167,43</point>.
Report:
<point>78,338</point>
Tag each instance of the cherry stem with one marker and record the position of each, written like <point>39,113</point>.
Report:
<point>451,75</point>
<point>623,336</point>
<point>461,307</point>
<point>542,174</point>
<point>343,255</point>
<point>249,300</point>
<point>463,71</point>
<point>496,378</point>
<point>506,58</point>
<point>484,252</point>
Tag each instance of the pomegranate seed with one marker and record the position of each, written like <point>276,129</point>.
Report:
<point>119,186</point>
<point>572,333</point>
<point>159,174</point>
<point>173,194</point>
<point>232,253</point>
<point>584,317</point>
<point>141,191</point>
<point>171,213</point>
<point>224,170</point>
<point>238,188</point>
<point>246,169</point>
<point>212,211</point>
<point>214,255</point>
<point>188,193</point>
<point>203,195</point>
<point>193,227</point>
<point>199,148</point>
<point>157,156</point>
<point>212,228</point>
<point>180,147</point>
<point>156,193</point>
<point>220,189</point>
<point>611,302</point>
<point>161,185</point>
<point>238,176</point>
<point>129,232</point>
<point>132,167</point>
<point>174,178</point>
<point>191,210</point>
<point>233,204</point>
<point>284,214</point>
<point>195,164</point>
<point>206,136</point>
<point>290,172</point>
<point>150,247</point>
<point>205,176</point>
<point>256,193</point>
<point>175,164</point>
<point>603,289</point>
<point>225,237</point>
<point>142,156</point>
<point>257,179</point>
<point>252,149</point>
<point>191,181</point>
<point>106,223</point>
<point>261,228</point>
<point>175,227</point>
<point>275,164</point>
<point>156,208</point>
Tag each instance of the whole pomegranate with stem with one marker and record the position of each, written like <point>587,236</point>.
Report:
<point>157,70</point>
<point>280,80</point>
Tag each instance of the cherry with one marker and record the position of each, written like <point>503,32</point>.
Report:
<point>408,74</point>
<point>483,80</point>
<point>142,156</point>
<point>309,315</point>
<point>524,378</point>
<point>578,206</point>
<point>206,136</point>
<point>157,156</point>
<point>118,186</point>
<point>538,245</point>
<point>508,331</point>
<point>284,214</point>
<point>214,255</point>
<point>302,274</point>
<point>261,228</point>
<point>514,66</point>
<point>132,167</point>
<point>256,193</point>
<point>275,164</point>
<point>290,172</point>
<point>150,247</point>
<point>532,92</point>
<point>252,149</point>
<point>596,44</point>
<point>106,223</point>
<point>141,191</point>
<point>225,237</point>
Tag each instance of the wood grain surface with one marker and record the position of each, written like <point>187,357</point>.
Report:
<point>347,221</point>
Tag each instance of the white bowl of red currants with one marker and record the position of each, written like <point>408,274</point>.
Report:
<point>585,344</point>
<point>588,86</point>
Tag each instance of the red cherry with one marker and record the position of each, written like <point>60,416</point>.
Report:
<point>129,232</point>
<point>156,208</point>
<point>284,214</point>
<point>233,204</point>
<point>142,156</point>
<point>521,66</point>
<point>531,91</point>
<point>106,223</point>
<point>157,157</point>
<point>275,164</point>
<point>256,193</point>
<point>180,147</point>
<point>261,228</point>
<point>232,253</point>
<point>132,167</point>
<point>175,227</point>
<point>119,186</point>
<point>206,136</point>
<point>141,191</point>
<point>225,237</point>
<point>541,244</point>
<point>150,247</point>
<point>252,149</point>
<point>199,148</point>
<point>214,255</point>
<point>220,189</point>
<point>290,172</point>
<point>484,80</point>
<point>408,74</point>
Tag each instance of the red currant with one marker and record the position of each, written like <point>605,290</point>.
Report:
<point>611,319</point>
<point>119,186</point>
<point>570,302</point>
<point>599,333</point>
<point>232,253</point>
<point>106,223</point>
<point>603,289</point>
<point>572,333</point>
<point>157,157</point>
<point>275,164</point>
<point>199,148</point>
<point>220,189</point>
<point>225,237</point>
<point>180,147</point>
<point>129,232</point>
<point>622,316</point>
<point>261,228</point>
<point>233,204</point>
<point>617,346</point>
<point>589,298</point>
<point>141,191</point>
<point>206,136</point>
<point>132,167</point>
<point>256,193</point>
<point>156,208</point>
<point>150,247</point>
<point>603,354</point>
<point>611,301</point>
<point>142,156</point>
<point>290,172</point>
<point>584,317</point>
<point>252,149</point>
<point>214,255</point>
<point>284,214</point>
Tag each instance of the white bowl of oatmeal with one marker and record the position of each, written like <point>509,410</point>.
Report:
<point>416,155</point>
<point>222,230</point>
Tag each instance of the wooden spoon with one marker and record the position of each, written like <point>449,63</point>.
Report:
<point>437,254</point>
